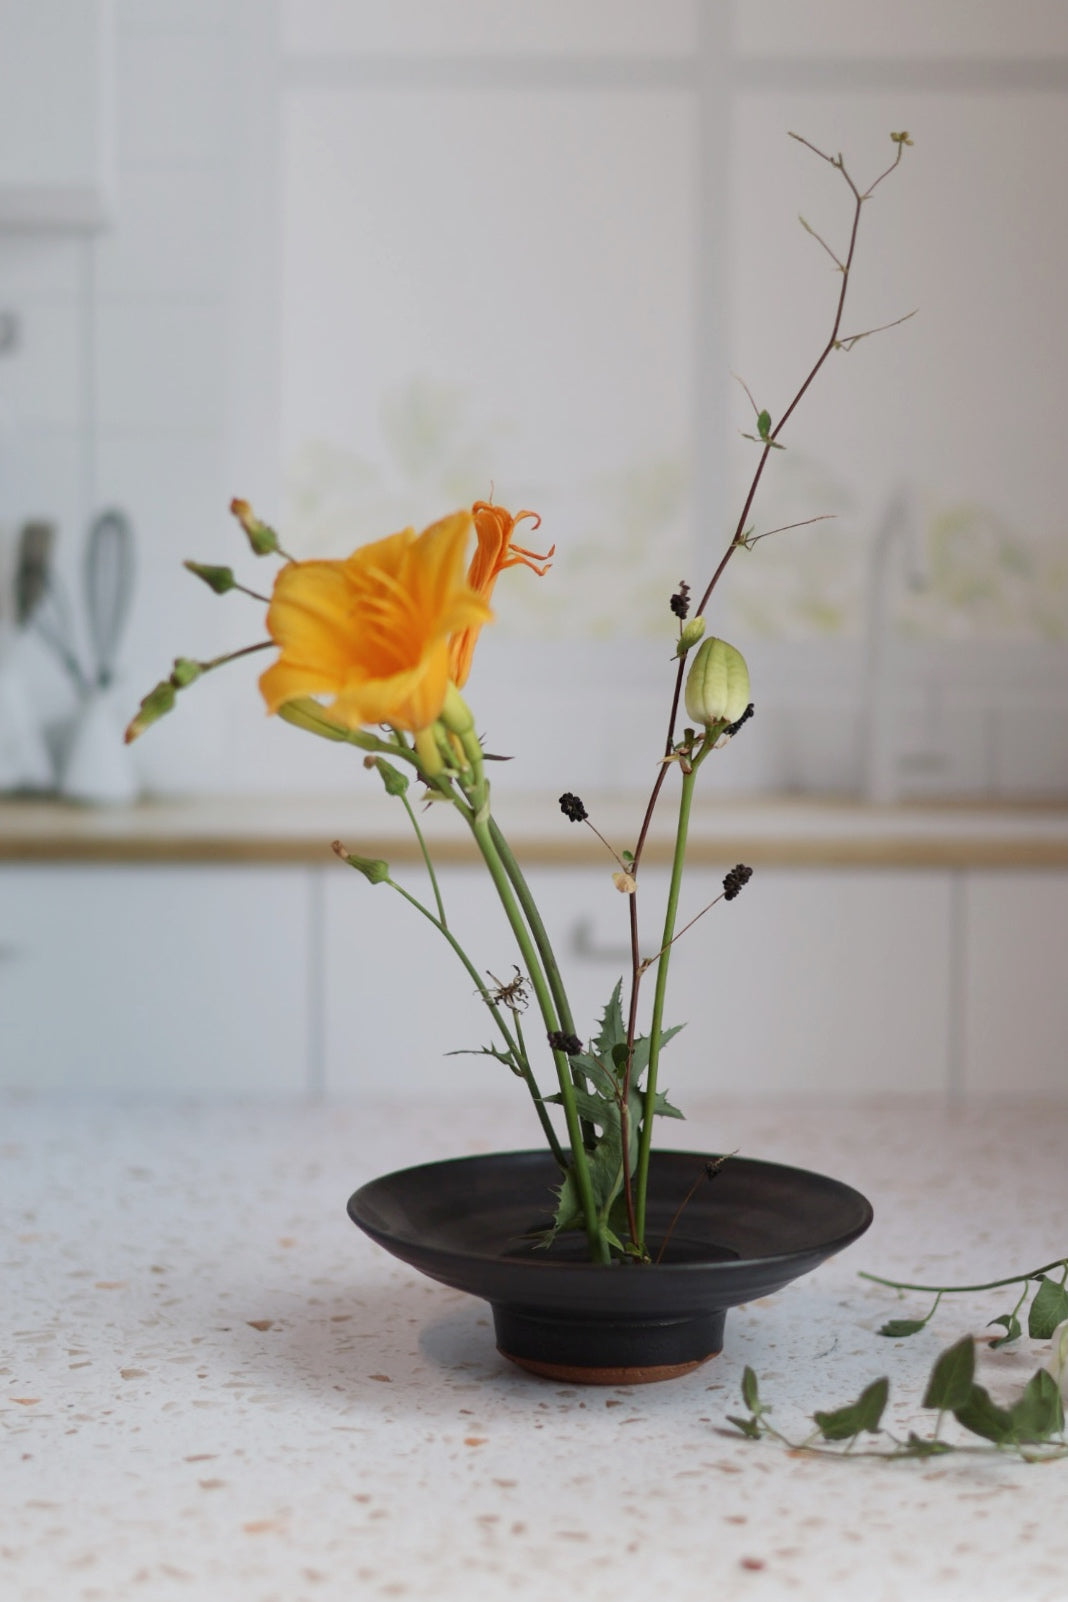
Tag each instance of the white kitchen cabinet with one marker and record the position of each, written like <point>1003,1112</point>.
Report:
<point>810,984</point>
<point>1015,1025</point>
<point>146,979</point>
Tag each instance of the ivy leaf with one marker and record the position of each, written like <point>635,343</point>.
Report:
<point>1049,1308</point>
<point>981,1415</point>
<point>751,1391</point>
<point>1039,1413</point>
<point>1011,1325</point>
<point>864,1414</point>
<point>898,1328</point>
<point>950,1385</point>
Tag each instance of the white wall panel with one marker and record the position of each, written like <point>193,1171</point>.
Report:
<point>994,29</point>
<point>486,27</point>
<point>185,980</point>
<point>1016,999</point>
<point>495,291</point>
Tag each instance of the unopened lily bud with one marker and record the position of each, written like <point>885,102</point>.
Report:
<point>395,781</point>
<point>689,635</point>
<point>219,579</point>
<point>717,685</point>
<point>455,712</point>
<point>155,705</point>
<point>374,870</point>
<point>186,672</point>
<point>261,536</point>
<point>1058,1362</point>
<point>305,713</point>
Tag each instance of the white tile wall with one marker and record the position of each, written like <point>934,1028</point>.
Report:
<point>190,316</point>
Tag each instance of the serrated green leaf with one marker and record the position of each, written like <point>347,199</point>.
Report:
<point>982,1416</point>
<point>950,1384</point>
<point>843,1423</point>
<point>1039,1413</point>
<point>918,1446</point>
<point>764,424</point>
<point>640,1058</point>
<point>748,1426</point>
<point>1010,1324</point>
<point>899,1328</point>
<point>751,1391</point>
<point>613,1030</point>
<point>1049,1308</point>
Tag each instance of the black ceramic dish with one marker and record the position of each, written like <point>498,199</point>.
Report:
<point>473,1223</point>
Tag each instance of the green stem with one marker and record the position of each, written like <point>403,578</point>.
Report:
<point>480,828</point>
<point>516,1050</point>
<point>544,945</point>
<point>657,1019</point>
<point>442,920</point>
<point>956,1290</point>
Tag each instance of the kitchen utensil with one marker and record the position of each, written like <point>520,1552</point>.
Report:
<point>109,575</point>
<point>41,600</point>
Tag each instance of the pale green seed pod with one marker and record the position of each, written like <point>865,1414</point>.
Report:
<point>689,634</point>
<point>717,685</point>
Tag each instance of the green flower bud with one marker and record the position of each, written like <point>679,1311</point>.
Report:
<point>395,781</point>
<point>305,713</point>
<point>717,685</point>
<point>261,537</point>
<point>155,705</point>
<point>374,870</point>
<point>689,635</point>
<point>219,579</point>
<point>186,671</point>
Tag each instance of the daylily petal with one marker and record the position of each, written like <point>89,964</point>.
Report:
<point>373,631</point>
<point>495,551</point>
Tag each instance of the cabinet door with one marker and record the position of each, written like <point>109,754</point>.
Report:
<point>398,1002</point>
<point>144,979</point>
<point>810,984</point>
<point>1016,997</point>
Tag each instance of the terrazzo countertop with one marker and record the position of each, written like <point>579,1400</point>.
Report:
<point>214,1387</point>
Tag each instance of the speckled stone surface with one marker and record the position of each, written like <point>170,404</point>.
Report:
<point>214,1387</point>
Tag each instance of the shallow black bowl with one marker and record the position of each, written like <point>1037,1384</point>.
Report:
<point>473,1223</point>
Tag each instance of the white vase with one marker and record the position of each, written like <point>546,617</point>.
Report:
<point>98,766</point>
<point>25,763</point>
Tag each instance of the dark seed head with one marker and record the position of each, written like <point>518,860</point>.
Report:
<point>560,1040</point>
<point>680,601</point>
<point>572,807</point>
<point>735,881</point>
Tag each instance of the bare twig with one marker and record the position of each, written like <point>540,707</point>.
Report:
<point>849,340</point>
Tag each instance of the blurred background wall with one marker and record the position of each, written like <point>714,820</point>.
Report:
<point>362,262</point>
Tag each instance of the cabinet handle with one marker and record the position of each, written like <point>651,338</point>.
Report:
<point>581,943</point>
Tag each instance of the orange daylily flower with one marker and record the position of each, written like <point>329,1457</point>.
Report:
<point>494,528</point>
<point>374,631</point>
